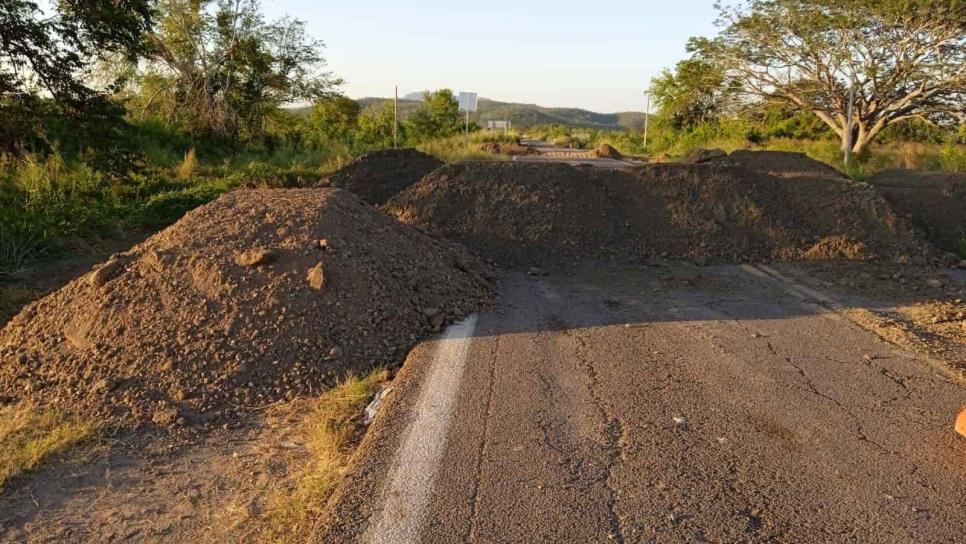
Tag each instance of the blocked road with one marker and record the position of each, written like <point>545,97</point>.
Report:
<point>669,405</point>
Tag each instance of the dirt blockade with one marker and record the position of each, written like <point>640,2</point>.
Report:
<point>554,214</point>
<point>934,201</point>
<point>259,296</point>
<point>379,175</point>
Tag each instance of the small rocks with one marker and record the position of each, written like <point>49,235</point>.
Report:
<point>104,386</point>
<point>961,265</point>
<point>106,272</point>
<point>536,271</point>
<point>316,277</point>
<point>166,416</point>
<point>256,257</point>
<point>336,352</point>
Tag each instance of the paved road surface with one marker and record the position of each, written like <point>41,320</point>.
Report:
<point>659,405</point>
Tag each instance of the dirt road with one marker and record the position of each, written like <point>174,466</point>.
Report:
<point>575,157</point>
<point>659,405</point>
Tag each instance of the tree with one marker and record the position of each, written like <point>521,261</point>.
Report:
<point>907,59</point>
<point>44,59</point>
<point>218,67</point>
<point>335,117</point>
<point>438,116</point>
<point>376,126</point>
<point>693,94</point>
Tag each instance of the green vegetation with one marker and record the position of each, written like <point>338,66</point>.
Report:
<point>332,431</point>
<point>29,436</point>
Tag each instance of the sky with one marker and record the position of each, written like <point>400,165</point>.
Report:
<point>594,55</point>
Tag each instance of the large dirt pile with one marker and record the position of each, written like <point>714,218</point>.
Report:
<point>934,201</point>
<point>259,296</point>
<point>606,151</point>
<point>379,175</point>
<point>523,214</point>
<point>778,163</point>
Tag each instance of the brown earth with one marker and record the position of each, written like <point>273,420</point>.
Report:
<point>779,163</point>
<point>508,149</point>
<point>523,214</point>
<point>934,201</point>
<point>259,296</point>
<point>605,151</point>
<point>699,156</point>
<point>379,175</point>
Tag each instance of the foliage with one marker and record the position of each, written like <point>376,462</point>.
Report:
<point>437,117</point>
<point>44,76</point>
<point>218,67</point>
<point>907,59</point>
<point>693,94</point>
<point>334,118</point>
<point>376,125</point>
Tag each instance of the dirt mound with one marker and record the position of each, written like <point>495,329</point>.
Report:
<point>508,149</point>
<point>780,163</point>
<point>524,214</point>
<point>605,151</point>
<point>699,156</point>
<point>934,201</point>
<point>258,296</point>
<point>379,175</point>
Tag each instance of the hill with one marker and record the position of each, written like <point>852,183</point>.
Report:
<point>529,115</point>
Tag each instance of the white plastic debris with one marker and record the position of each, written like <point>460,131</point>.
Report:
<point>373,408</point>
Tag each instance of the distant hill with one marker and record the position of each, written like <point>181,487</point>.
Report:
<point>529,115</point>
<point>523,116</point>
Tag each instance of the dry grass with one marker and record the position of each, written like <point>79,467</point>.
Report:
<point>29,435</point>
<point>332,430</point>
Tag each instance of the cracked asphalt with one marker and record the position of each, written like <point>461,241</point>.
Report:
<point>672,404</point>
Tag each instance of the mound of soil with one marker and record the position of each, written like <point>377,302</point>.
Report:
<point>553,214</point>
<point>508,149</point>
<point>934,201</point>
<point>699,156</point>
<point>605,151</point>
<point>259,296</point>
<point>379,175</point>
<point>780,163</point>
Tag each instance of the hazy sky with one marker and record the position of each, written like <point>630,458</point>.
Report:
<point>594,55</point>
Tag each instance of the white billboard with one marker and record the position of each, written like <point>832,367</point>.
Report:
<point>468,102</point>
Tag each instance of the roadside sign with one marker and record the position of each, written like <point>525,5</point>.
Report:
<point>468,102</point>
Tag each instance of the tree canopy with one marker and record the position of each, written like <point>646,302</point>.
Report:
<point>44,60</point>
<point>907,59</point>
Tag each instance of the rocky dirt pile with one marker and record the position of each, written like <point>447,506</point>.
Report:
<point>508,149</point>
<point>553,214</point>
<point>777,163</point>
<point>605,151</point>
<point>934,201</point>
<point>259,296</point>
<point>379,175</point>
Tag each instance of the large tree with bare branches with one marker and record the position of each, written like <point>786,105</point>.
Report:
<point>907,59</point>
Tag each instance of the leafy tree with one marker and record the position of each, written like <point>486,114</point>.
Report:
<point>219,68</point>
<point>693,94</point>
<point>438,116</point>
<point>906,57</point>
<point>44,59</point>
<point>376,127</point>
<point>335,117</point>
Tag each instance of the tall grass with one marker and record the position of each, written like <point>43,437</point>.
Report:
<point>464,147</point>
<point>332,431</point>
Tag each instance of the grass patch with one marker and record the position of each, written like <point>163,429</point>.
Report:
<point>332,431</point>
<point>465,148</point>
<point>29,435</point>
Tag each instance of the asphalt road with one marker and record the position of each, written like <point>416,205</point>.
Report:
<point>659,405</point>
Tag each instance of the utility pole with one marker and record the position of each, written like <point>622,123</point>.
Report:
<point>395,119</point>
<point>647,114</point>
<point>848,127</point>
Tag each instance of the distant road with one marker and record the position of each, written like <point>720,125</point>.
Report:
<point>550,153</point>
<point>672,405</point>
